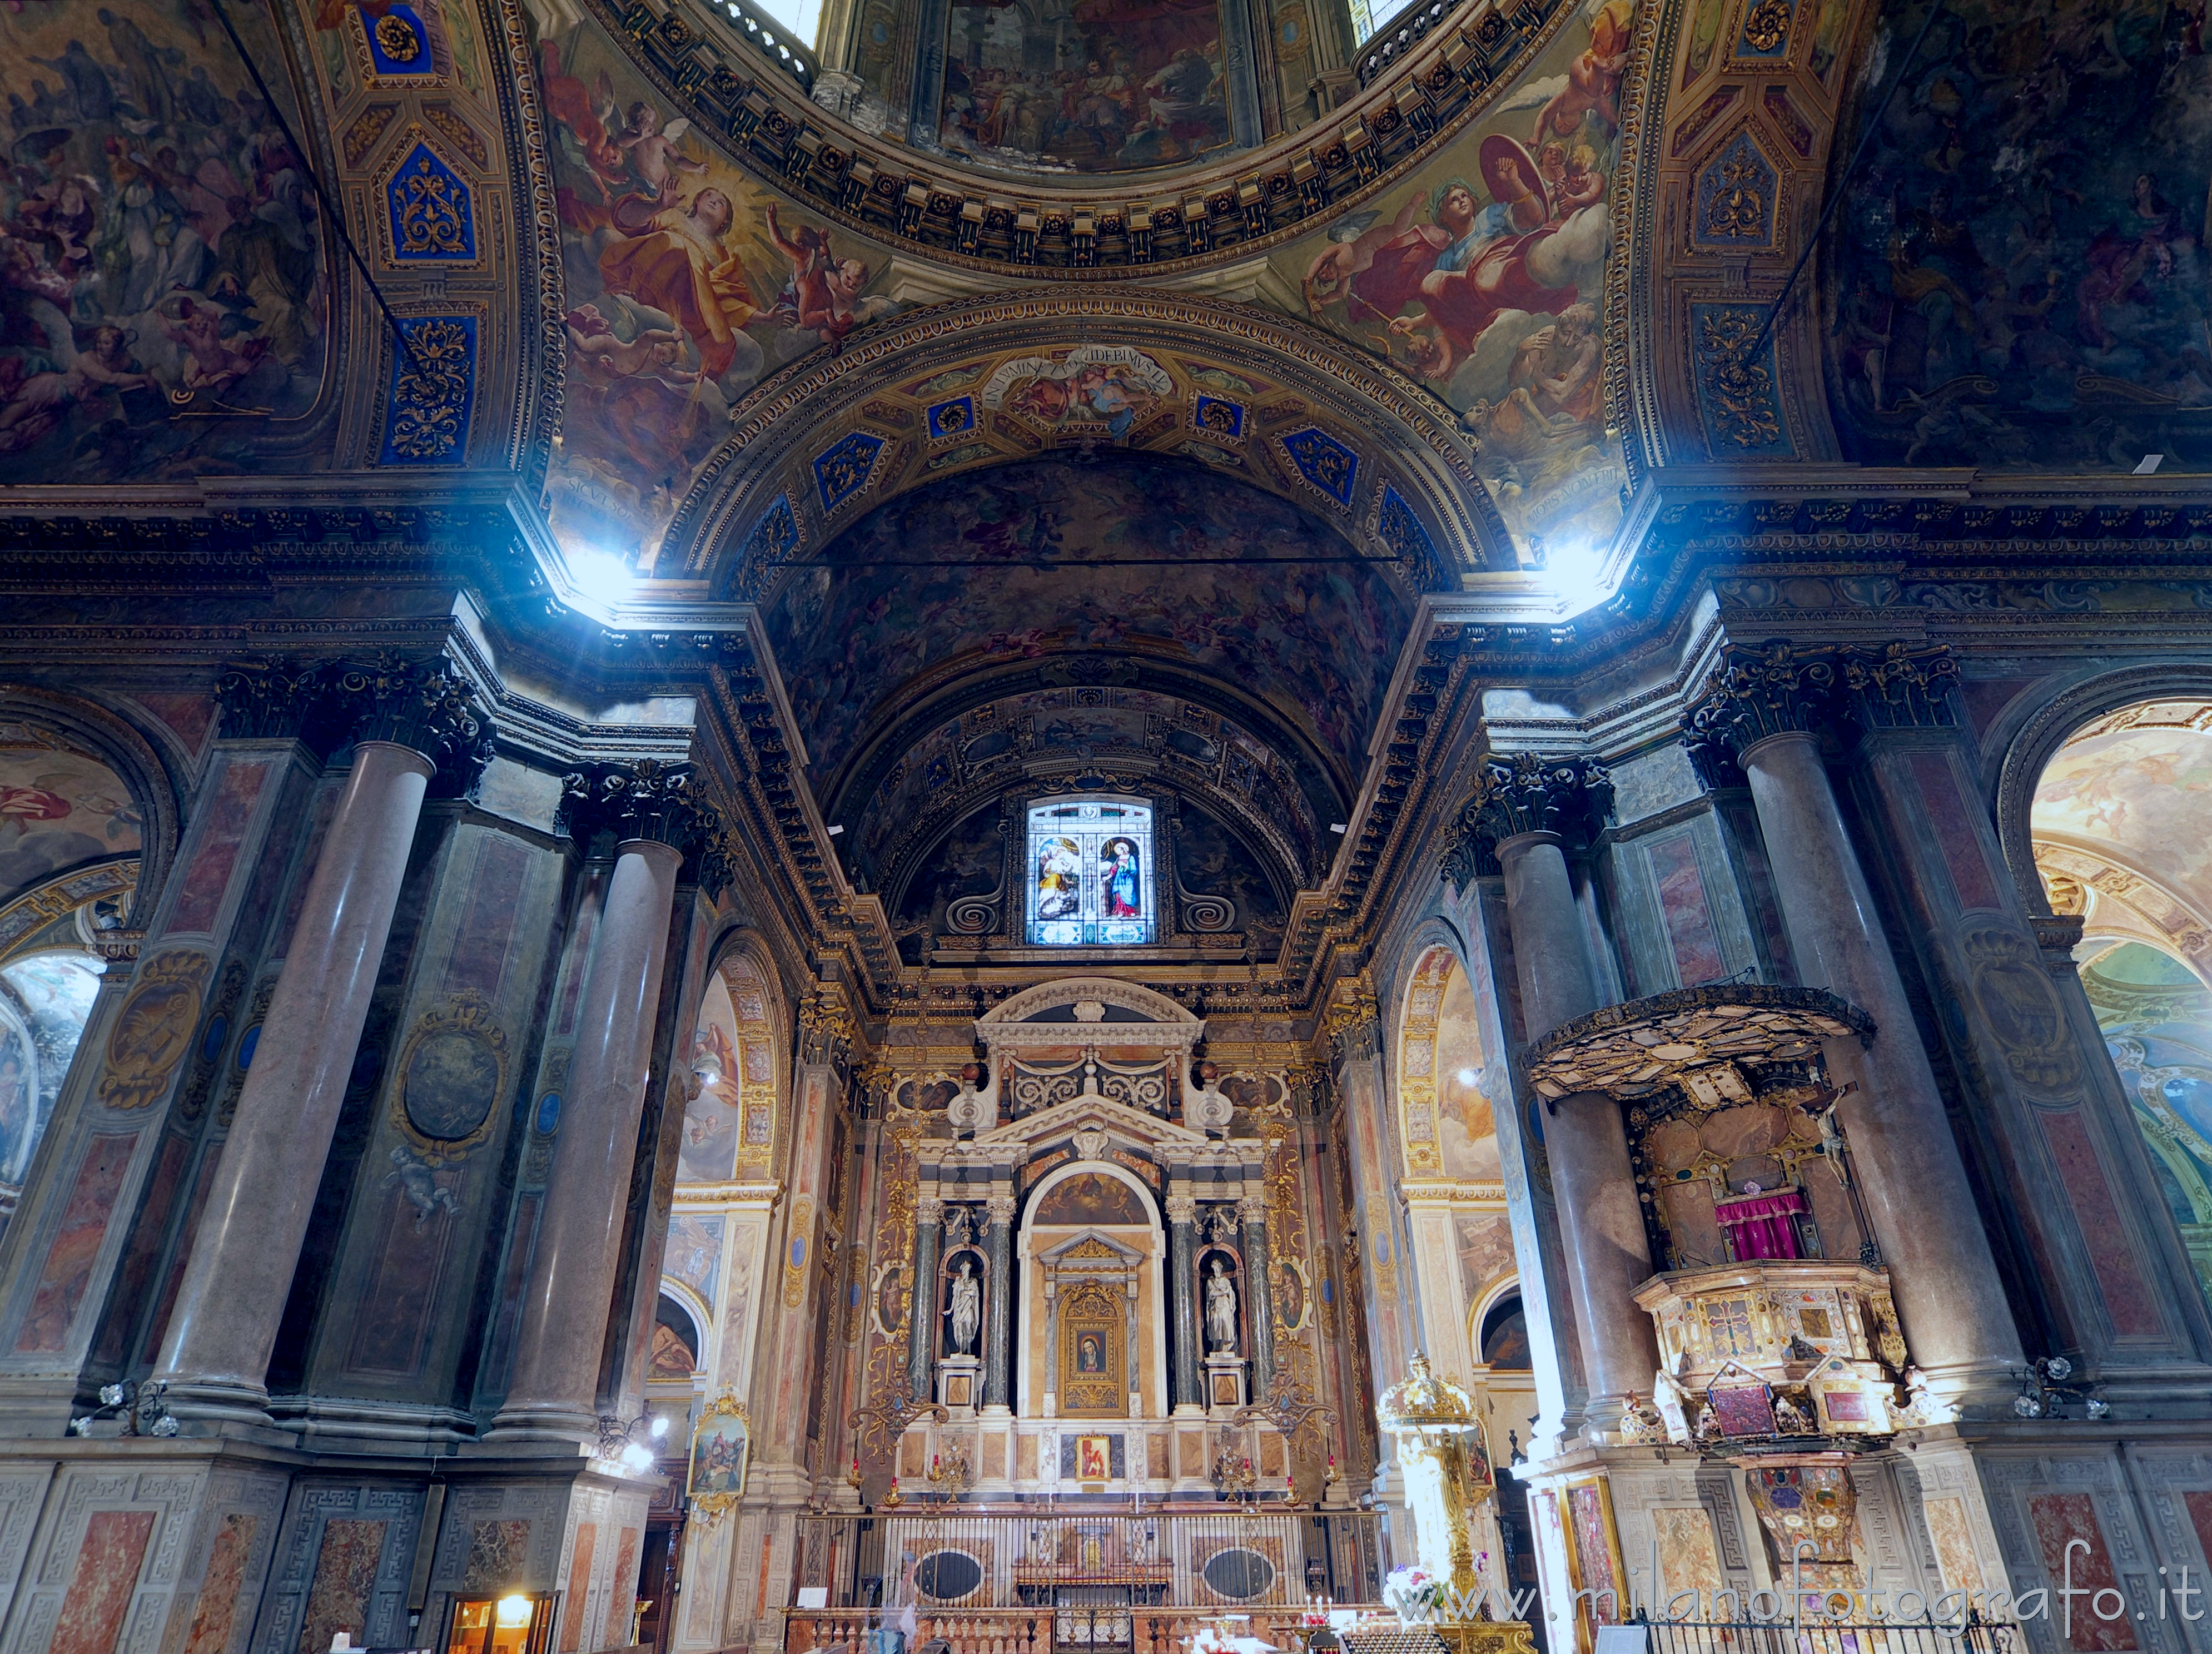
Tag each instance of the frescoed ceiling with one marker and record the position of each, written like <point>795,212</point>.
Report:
<point>2118,829</point>
<point>1103,566</point>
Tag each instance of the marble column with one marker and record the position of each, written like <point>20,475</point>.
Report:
<point>1183,1271</point>
<point>554,1394</point>
<point>1925,1217</point>
<point>1252,1210</point>
<point>216,1357</point>
<point>926,1330</point>
<point>998,1375</point>
<point>1607,1254</point>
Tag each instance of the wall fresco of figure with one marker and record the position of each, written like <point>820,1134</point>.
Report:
<point>163,298</point>
<point>1315,638</point>
<point>59,809</point>
<point>2017,274</point>
<point>1096,86</point>
<point>1484,278</point>
<point>687,284</point>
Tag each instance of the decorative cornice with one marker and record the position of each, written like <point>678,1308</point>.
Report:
<point>1110,225</point>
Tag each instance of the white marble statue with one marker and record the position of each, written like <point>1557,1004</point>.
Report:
<point>1221,1311</point>
<point>967,1309</point>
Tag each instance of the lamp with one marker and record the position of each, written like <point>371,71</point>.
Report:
<point>513,1611</point>
<point>618,1444</point>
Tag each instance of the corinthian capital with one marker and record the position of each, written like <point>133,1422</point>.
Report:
<point>1524,793</point>
<point>1782,687</point>
<point>650,798</point>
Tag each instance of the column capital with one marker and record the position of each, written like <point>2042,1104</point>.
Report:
<point>1000,1209</point>
<point>651,799</point>
<point>1181,1209</point>
<point>1784,688</point>
<point>1252,1208</point>
<point>1522,793</point>
<point>422,703</point>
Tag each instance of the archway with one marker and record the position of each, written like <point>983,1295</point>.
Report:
<point>2117,830</point>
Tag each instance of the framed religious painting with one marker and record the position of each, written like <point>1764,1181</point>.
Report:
<point>1094,1458</point>
<point>1093,1356</point>
<point>721,1445</point>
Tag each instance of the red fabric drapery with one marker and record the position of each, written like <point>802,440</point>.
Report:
<point>1759,1225</point>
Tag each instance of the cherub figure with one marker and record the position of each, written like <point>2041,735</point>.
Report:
<point>1593,79</point>
<point>653,154</point>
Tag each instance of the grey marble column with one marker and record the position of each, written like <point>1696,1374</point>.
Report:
<point>216,1357</point>
<point>924,1330</point>
<point>554,1394</point>
<point>1182,1268</point>
<point>1253,1209</point>
<point>998,1375</point>
<point>1607,1254</point>
<point>1925,1217</point>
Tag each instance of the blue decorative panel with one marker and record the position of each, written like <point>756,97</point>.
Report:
<point>950,419</point>
<point>776,536</point>
<point>1211,413</point>
<point>1324,462</point>
<point>1401,531</point>
<point>433,219</point>
<point>843,470</point>
<point>427,404</point>
<point>1738,398</point>
<point>1734,203</point>
<point>398,43</point>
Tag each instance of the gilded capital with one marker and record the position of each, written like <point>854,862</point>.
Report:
<point>1524,793</point>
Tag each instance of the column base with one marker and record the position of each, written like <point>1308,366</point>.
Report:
<point>204,1406</point>
<point>544,1424</point>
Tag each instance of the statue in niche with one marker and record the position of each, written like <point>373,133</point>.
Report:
<point>1221,1311</point>
<point>967,1309</point>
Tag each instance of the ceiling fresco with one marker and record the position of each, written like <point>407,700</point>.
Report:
<point>1483,276</point>
<point>686,284</point>
<point>899,601</point>
<point>2017,276</point>
<point>164,300</point>
<point>1099,86</point>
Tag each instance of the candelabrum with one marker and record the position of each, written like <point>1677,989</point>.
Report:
<point>1233,1475</point>
<point>618,1443</point>
<point>139,1407</point>
<point>2044,1391</point>
<point>950,1474</point>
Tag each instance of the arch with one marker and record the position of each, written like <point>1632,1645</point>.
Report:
<point>676,1311</point>
<point>1061,1174</point>
<point>1029,1276</point>
<point>755,506</point>
<point>733,1120</point>
<point>107,738</point>
<point>1485,1323</point>
<point>1447,1122</point>
<point>2065,707</point>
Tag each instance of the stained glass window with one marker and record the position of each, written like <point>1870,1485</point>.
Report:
<point>1090,874</point>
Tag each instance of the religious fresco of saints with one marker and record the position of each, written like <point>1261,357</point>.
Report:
<point>1485,278</point>
<point>1098,85</point>
<point>2020,269</point>
<point>161,293</point>
<point>686,285</point>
